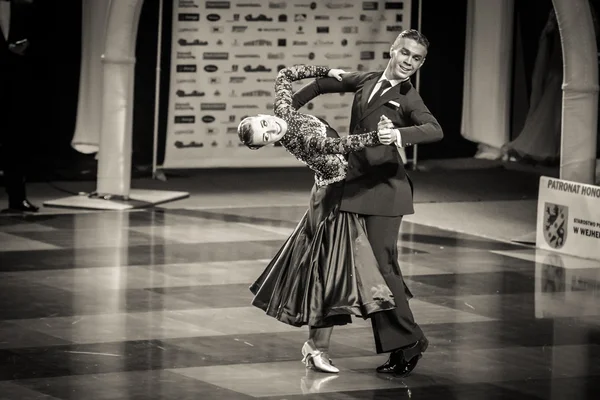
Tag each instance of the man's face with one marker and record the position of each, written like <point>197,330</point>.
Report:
<point>405,59</point>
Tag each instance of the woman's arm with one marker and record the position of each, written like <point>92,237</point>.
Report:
<point>343,145</point>
<point>283,86</point>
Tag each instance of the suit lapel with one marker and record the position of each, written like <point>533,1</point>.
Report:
<point>396,93</point>
<point>366,92</point>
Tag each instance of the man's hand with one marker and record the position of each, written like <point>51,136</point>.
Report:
<point>385,131</point>
<point>336,73</point>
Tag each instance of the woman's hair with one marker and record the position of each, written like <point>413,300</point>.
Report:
<point>246,135</point>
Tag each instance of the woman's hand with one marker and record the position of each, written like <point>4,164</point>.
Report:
<point>336,73</point>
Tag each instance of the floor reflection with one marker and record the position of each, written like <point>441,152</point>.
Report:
<point>154,304</point>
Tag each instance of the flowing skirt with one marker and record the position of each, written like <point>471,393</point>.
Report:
<point>325,271</point>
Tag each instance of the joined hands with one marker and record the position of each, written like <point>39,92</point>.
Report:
<point>385,131</point>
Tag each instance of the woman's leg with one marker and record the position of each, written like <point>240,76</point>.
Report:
<point>320,337</point>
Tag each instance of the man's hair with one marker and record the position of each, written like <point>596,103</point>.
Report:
<point>414,35</point>
<point>245,133</point>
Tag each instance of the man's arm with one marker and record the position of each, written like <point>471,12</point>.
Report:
<point>426,128</point>
<point>350,83</point>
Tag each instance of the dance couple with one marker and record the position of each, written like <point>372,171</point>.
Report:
<point>342,258</point>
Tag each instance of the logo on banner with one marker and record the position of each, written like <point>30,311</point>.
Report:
<point>300,18</point>
<point>184,106</point>
<point>258,18</point>
<point>218,4</point>
<point>258,68</point>
<point>211,68</point>
<point>253,5</point>
<point>271,29</point>
<point>258,42</point>
<point>320,43</point>
<point>321,17</point>
<point>196,42</point>
<point>187,4</point>
<point>217,29</point>
<point>257,93</point>
<point>394,5</point>
<point>193,93</point>
<point>335,6</point>
<point>185,55</point>
<point>394,28</point>
<point>312,5</point>
<point>299,43</point>
<point>188,17</point>
<point>322,29</point>
<point>213,17</point>
<point>207,119</point>
<point>277,4</point>
<point>367,55</point>
<point>238,29</point>
<point>555,224</point>
<point>213,106</point>
<point>183,68</point>
<point>398,17</point>
<point>237,79</point>
<point>185,119</point>
<point>370,5</point>
<point>214,55</point>
<point>350,29</point>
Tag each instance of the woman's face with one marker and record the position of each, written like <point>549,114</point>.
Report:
<point>267,129</point>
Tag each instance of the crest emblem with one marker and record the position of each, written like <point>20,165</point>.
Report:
<point>555,224</point>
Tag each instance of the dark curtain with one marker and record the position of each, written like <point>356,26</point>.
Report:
<point>444,24</point>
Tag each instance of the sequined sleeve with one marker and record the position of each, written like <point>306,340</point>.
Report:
<point>283,87</point>
<point>343,145</point>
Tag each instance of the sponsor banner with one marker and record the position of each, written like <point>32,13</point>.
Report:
<point>568,218</point>
<point>226,55</point>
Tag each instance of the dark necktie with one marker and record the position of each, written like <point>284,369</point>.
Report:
<point>384,85</point>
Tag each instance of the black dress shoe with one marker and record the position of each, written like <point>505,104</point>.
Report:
<point>22,206</point>
<point>403,361</point>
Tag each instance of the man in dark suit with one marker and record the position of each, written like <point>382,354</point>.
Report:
<point>17,99</point>
<point>378,187</point>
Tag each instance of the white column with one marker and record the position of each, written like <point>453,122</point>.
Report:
<point>580,90</point>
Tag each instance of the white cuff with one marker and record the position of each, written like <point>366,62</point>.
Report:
<point>398,138</point>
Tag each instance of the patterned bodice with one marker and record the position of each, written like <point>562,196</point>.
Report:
<point>306,137</point>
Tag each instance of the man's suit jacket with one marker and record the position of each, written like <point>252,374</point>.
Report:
<point>377,183</point>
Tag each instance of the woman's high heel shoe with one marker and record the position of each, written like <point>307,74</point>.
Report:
<point>316,359</point>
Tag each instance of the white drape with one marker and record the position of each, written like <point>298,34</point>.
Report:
<point>487,75</point>
<point>118,68</point>
<point>87,129</point>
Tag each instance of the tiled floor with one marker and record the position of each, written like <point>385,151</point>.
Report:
<point>153,304</point>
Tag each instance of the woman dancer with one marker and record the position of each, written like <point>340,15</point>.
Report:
<point>326,270</point>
